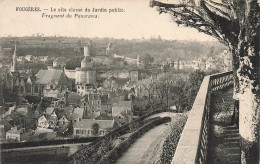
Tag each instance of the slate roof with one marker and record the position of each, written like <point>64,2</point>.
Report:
<point>63,118</point>
<point>51,76</point>
<point>104,116</point>
<point>74,97</point>
<point>15,131</point>
<point>87,124</point>
<point>121,106</point>
<point>92,115</point>
<point>77,113</point>
<point>49,111</point>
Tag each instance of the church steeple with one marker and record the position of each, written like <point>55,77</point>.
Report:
<point>13,65</point>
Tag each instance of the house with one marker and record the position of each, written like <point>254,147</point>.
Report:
<point>53,120</point>
<point>16,134</point>
<point>21,59</point>
<point>122,112</point>
<point>29,57</point>
<point>77,114</point>
<point>74,99</point>
<point>43,58</point>
<point>113,83</point>
<point>43,122</point>
<point>106,106</point>
<point>49,111</point>
<point>122,106</point>
<point>63,122</point>
<point>23,109</point>
<point>51,83</point>
<point>94,102</point>
<point>123,118</point>
<point>84,128</point>
<point>59,62</point>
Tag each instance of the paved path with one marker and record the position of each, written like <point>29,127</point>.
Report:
<point>146,149</point>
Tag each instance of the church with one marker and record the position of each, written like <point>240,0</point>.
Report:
<point>46,83</point>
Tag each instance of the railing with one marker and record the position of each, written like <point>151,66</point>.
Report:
<point>192,146</point>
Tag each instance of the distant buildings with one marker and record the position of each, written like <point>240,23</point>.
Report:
<point>59,62</point>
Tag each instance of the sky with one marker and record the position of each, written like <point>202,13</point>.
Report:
<point>137,21</point>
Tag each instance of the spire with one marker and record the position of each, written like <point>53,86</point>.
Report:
<point>13,68</point>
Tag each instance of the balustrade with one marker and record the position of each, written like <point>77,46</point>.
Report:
<point>193,144</point>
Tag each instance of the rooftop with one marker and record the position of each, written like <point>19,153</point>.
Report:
<point>51,76</point>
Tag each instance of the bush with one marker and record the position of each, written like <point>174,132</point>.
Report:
<point>171,142</point>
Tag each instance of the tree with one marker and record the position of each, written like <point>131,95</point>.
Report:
<point>236,24</point>
<point>146,59</point>
<point>148,86</point>
<point>178,94</point>
<point>95,129</point>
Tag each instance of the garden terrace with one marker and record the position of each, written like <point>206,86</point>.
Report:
<point>208,136</point>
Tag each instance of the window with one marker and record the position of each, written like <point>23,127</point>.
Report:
<point>36,89</point>
<point>21,89</point>
<point>77,131</point>
<point>28,88</point>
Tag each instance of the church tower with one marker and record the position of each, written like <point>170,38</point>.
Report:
<point>14,62</point>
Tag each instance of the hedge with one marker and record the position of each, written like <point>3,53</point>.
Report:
<point>91,151</point>
<point>118,151</point>
<point>171,142</point>
<point>45,143</point>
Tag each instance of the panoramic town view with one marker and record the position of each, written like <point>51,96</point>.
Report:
<point>104,99</point>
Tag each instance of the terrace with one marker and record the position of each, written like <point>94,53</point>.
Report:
<point>208,136</point>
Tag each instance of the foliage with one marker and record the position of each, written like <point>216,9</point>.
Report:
<point>95,129</point>
<point>171,142</point>
<point>33,99</point>
<point>193,85</point>
<point>146,59</point>
<point>73,63</point>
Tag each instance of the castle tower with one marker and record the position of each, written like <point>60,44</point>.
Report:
<point>86,74</point>
<point>13,64</point>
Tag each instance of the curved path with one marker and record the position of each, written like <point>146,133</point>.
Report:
<point>148,148</point>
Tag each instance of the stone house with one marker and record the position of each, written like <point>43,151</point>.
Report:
<point>84,128</point>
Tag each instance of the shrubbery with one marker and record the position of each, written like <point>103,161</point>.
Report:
<point>171,142</point>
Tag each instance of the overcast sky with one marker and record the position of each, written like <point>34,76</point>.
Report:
<point>138,20</point>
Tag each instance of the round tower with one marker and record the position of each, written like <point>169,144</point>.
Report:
<point>87,73</point>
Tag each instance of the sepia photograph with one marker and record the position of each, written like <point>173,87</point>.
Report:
<point>129,81</point>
